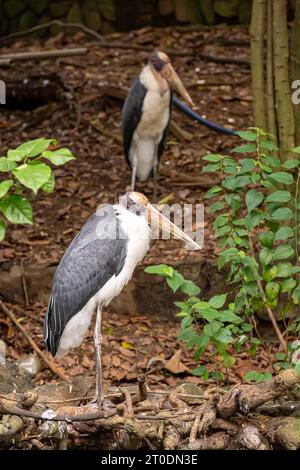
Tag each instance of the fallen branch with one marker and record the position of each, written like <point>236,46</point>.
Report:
<point>49,362</point>
<point>33,55</point>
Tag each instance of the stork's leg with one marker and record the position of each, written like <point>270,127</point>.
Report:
<point>134,167</point>
<point>98,345</point>
<point>155,170</point>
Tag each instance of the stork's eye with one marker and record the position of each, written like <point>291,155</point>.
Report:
<point>157,63</point>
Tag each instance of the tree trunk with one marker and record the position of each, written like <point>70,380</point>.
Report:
<point>272,124</point>
<point>257,32</point>
<point>295,66</point>
<point>285,115</point>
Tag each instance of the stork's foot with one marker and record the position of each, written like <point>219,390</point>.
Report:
<point>103,404</point>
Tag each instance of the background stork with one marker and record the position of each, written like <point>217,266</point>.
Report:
<point>94,269</point>
<point>146,116</point>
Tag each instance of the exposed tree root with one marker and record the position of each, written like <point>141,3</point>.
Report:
<point>140,418</point>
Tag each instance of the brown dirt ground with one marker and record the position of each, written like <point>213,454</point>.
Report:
<point>99,174</point>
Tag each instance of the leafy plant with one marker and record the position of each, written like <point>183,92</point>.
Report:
<point>257,224</point>
<point>27,167</point>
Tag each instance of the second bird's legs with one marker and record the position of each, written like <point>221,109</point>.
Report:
<point>98,345</point>
<point>133,174</point>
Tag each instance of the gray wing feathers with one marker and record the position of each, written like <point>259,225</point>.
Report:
<point>96,254</point>
<point>131,114</point>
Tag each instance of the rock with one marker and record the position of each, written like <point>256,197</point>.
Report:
<point>92,19</point>
<point>287,432</point>
<point>74,15</point>
<point>226,8</point>
<point>61,391</point>
<point>12,8</point>
<point>30,363</point>
<point>27,20</point>
<point>12,379</point>
<point>38,6</point>
<point>107,9</point>
<point>190,389</point>
<point>9,426</point>
<point>57,9</point>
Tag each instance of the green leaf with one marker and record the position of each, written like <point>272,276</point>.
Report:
<point>292,163</point>
<point>175,281</point>
<point>272,290</point>
<point>160,269</point>
<point>254,376</point>
<point>5,186</point>
<point>272,161</point>
<point>245,148</point>
<point>283,233</point>
<point>211,167</point>
<point>266,239</point>
<point>33,175</point>
<point>6,165</point>
<point>284,270</point>
<point>283,213</point>
<point>268,145</point>
<point>246,135</point>
<point>266,256</point>
<point>202,341</point>
<point>283,252</point>
<point>217,301</point>
<point>296,295</point>
<point>296,149</point>
<point>253,199</point>
<point>209,314</point>
<point>212,192</point>
<point>281,177</point>
<point>59,157</point>
<point>217,206</point>
<point>212,157</point>
<point>199,371</point>
<point>253,219</point>
<point>229,317</point>
<point>17,209</point>
<point>247,165</point>
<point>189,288</point>
<point>2,230</point>
<point>15,155</point>
<point>212,328</point>
<point>34,147</point>
<point>49,186</point>
<point>288,285</point>
<point>279,196</point>
<point>223,335</point>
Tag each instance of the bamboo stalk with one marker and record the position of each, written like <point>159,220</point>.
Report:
<point>257,32</point>
<point>271,118</point>
<point>285,117</point>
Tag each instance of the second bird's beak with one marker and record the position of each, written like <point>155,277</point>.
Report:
<point>159,220</point>
<point>172,77</point>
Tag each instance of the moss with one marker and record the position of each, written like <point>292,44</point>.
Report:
<point>107,9</point>
<point>74,15</point>
<point>38,6</point>
<point>28,19</point>
<point>12,8</point>
<point>226,8</point>
<point>92,19</point>
<point>59,9</point>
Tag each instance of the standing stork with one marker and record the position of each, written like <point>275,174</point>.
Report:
<point>146,116</point>
<point>94,269</point>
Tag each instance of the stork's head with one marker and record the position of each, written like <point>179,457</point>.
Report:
<point>141,207</point>
<point>160,64</point>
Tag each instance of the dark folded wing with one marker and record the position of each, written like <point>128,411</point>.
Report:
<point>131,114</point>
<point>163,141</point>
<point>96,254</point>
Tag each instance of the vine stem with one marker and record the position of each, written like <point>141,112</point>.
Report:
<point>296,217</point>
<point>268,309</point>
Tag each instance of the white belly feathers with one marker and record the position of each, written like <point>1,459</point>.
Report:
<point>154,119</point>
<point>138,232</point>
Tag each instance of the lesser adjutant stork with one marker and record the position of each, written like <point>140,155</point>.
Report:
<point>146,116</point>
<point>94,269</point>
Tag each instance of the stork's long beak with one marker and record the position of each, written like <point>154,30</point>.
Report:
<point>169,74</point>
<point>158,219</point>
